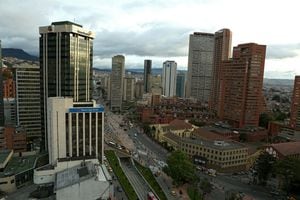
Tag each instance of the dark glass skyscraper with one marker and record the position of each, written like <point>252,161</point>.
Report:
<point>147,75</point>
<point>1,91</point>
<point>180,84</point>
<point>66,53</point>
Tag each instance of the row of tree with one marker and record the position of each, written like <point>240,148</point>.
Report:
<point>182,171</point>
<point>286,170</point>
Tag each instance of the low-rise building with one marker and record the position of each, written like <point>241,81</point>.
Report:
<point>85,181</point>
<point>284,150</point>
<point>16,170</point>
<point>222,155</point>
<point>15,138</point>
<point>219,154</point>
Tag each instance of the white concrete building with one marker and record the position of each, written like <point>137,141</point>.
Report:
<point>75,130</point>
<point>200,66</point>
<point>75,134</point>
<point>169,78</point>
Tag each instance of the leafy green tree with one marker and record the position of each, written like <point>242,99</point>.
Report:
<point>243,137</point>
<point>146,128</point>
<point>206,186</point>
<point>276,97</point>
<point>264,119</point>
<point>288,170</point>
<point>264,166</point>
<point>180,168</point>
<point>280,116</point>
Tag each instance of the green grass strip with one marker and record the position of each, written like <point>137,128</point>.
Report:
<point>114,163</point>
<point>193,193</point>
<point>147,174</point>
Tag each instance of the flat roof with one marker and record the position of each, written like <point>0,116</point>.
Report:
<point>65,22</point>
<point>19,164</point>
<point>74,175</point>
<point>217,144</point>
<point>4,154</point>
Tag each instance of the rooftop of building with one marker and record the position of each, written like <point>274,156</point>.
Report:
<point>79,173</point>
<point>290,135</point>
<point>178,124</point>
<point>19,164</point>
<point>65,23</point>
<point>216,144</point>
<point>207,133</point>
<point>4,154</point>
<point>287,148</point>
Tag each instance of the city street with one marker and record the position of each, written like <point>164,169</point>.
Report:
<point>140,186</point>
<point>224,183</point>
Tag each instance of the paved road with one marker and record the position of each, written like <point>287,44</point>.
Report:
<point>153,147</point>
<point>225,182</point>
<point>137,182</point>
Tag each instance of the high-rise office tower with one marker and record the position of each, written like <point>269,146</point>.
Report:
<point>156,88</point>
<point>128,88</point>
<point>169,78</point>
<point>243,82</point>
<point>147,75</point>
<point>180,84</point>
<point>1,91</point>
<point>200,65</point>
<point>222,52</point>
<point>295,107</point>
<point>28,97</point>
<point>116,82</point>
<point>66,59</point>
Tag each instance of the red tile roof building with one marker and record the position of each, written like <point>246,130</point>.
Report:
<point>283,150</point>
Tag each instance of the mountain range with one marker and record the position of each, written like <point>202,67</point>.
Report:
<point>18,53</point>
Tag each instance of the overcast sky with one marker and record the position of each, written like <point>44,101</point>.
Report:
<point>159,29</point>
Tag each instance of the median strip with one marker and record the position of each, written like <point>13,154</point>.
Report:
<point>114,163</point>
<point>147,174</point>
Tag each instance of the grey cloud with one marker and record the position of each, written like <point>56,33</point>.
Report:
<point>282,51</point>
<point>157,40</point>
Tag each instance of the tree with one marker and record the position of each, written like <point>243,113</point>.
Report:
<point>243,137</point>
<point>264,166</point>
<point>280,116</point>
<point>206,186</point>
<point>146,128</point>
<point>288,170</point>
<point>264,119</point>
<point>276,97</point>
<point>180,168</point>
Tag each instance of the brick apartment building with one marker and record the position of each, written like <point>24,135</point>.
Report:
<point>295,117</point>
<point>243,82</point>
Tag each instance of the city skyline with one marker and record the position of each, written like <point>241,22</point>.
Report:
<point>125,27</point>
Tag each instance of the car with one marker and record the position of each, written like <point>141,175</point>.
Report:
<point>119,189</point>
<point>173,192</point>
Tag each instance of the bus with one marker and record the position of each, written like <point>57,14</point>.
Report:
<point>151,196</point>
<point>112,144</point>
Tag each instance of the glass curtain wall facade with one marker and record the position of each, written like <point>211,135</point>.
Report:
<point>66,53</point>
